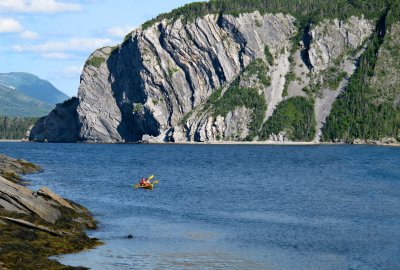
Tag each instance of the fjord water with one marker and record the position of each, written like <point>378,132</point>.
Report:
<point>229,206</point>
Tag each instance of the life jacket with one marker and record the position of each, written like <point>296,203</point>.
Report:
<point>142,182</point>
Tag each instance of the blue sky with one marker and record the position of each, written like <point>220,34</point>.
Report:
<point>53,38</point>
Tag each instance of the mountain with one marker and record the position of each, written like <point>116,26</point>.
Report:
<point>14,103</point>
<point>26,95</point>
<point>33,86</point>
<point>255,70</point>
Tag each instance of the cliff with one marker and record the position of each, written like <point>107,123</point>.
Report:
<point>257,74</point>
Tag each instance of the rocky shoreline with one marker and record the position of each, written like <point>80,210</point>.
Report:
<point>36,225</point>
<point>285,143</point>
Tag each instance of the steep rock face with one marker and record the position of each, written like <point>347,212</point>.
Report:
<point>333,38</point>
<point>207,128</point>
<point>161,73</point>
<point>185,63</point>
<point>319,74</point>
<point>334,51</point>
<point>157,85</point>
<point>61,125</point>
<point>229,112</point>
<point>97,110</point>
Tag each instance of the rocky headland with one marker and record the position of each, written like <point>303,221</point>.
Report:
<point>37,224</point>
<point>260,71</point>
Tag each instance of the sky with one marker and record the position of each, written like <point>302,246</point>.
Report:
<point>53,38</point>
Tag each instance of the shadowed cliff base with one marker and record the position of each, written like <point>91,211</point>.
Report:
<point>61,125</point>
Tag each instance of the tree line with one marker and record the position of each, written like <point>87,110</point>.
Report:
<point>15,128</point>
<point>305,10</point>
<point>356,114</point>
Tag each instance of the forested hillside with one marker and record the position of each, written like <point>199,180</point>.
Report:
<point>369,109</point>
<point>17,104</point>
<point>34,87</point>
<point>15,128</point>
<point>26,95</point>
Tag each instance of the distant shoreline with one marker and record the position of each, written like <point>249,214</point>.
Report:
<point>274,143</point>
<point>228,143</point>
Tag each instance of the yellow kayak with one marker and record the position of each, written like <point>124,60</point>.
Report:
<point>144,187</point>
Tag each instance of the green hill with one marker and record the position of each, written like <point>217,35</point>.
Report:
<point>33,86</point>
<point>15,103</point>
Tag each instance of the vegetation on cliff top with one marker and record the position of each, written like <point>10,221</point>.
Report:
<point>95,61</point>
<point>310,10</point>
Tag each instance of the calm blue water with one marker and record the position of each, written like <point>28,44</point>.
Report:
<point>230,207</point>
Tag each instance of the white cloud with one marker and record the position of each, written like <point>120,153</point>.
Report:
<point>73,71</point>
<point>67,73</point>
<point>73,44</point>
<point>8,25</point>
<point>56,55</point>
<point>29,35</point>
<point>37,6</point>
<point>120,31</point>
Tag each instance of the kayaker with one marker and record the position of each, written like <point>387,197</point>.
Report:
<point>143,181</point>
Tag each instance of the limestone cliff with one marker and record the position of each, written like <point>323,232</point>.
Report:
<point>216,77</point>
